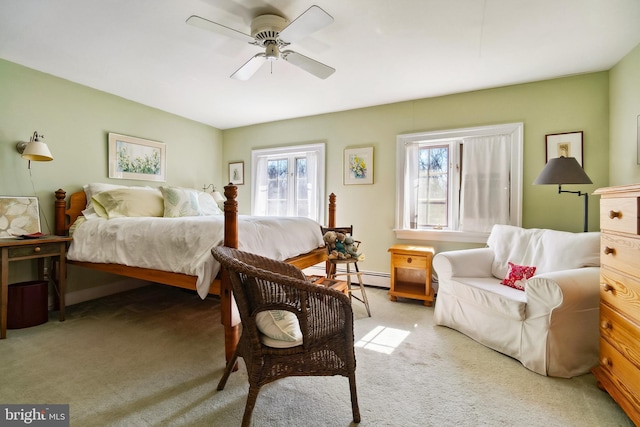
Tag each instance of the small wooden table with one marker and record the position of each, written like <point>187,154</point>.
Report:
<point>54,247</point>
<point>411,273</point>
<point>338,285</point>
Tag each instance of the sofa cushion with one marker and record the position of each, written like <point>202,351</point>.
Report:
<point>548,250</point>
<point>566,251</point>
<point>489,295</point>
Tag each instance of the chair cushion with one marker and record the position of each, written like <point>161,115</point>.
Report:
<point>280,328</point>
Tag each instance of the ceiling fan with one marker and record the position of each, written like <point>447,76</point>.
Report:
<point>274,32</point>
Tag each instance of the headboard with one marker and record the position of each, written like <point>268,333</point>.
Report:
<point>65,217</point>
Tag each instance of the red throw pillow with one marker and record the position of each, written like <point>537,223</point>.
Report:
<point>517,275</point>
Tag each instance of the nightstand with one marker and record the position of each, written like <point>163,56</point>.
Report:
<point>53,247</point>
<point>411,273</point>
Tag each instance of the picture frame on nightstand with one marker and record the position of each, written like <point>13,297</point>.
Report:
<point>19,216</point>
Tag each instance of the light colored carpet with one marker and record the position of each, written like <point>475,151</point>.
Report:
<point>153,357</point>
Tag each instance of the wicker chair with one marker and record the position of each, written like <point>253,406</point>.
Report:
<point>324,316</point>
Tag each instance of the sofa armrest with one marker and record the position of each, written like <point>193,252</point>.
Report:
<point>463,263</point>
<point>566,306</point>
<point>567,290</point>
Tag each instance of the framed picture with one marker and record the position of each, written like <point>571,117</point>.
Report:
<point>567,144</point>
<point>358,166</point>
<point>236,173</point>
<point>136,158</point>
<point>18,216</point>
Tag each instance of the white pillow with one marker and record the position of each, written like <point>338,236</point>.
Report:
<point>280,327</point>
<point>92,189</point>
<point>129,202</point>
<point>179,202</point>
<point>208,205</point>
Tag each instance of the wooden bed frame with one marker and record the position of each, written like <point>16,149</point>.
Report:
<point>66,212</point>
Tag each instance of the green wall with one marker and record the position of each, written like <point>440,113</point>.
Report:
<point>75,121</point>
<point>553,106</point>
<point>625,110</point>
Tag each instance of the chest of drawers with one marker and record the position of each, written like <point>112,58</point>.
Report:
<point>618,371</point>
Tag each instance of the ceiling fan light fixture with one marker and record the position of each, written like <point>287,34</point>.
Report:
<point>272,52</point>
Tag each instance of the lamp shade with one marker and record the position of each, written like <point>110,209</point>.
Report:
<point>219,198</point>
<point>37,151</point>
<point>562,170</point>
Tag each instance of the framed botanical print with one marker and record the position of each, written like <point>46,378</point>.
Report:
<point>19,216</point>
<point>358,166</point>
<point>136,158</point>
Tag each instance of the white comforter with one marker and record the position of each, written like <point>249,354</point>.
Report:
<point>183,245</point>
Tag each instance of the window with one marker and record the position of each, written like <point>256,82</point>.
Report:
<point>288,181</point>
<point>454,185</point>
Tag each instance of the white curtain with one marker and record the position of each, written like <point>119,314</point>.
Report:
<point>313,192</point>
<point>411,175</point>
<point>259,206</point>
<point>486,167</point>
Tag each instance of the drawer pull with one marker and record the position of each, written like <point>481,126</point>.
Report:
<point>409,260</point>
<point>608,250</point>
<point>605,361</point>
<point>36,249</point>
<point>605,324</point>
<point>607,287</point>
<point>615,214</point>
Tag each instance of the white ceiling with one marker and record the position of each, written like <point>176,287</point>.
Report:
<point>384,51</point>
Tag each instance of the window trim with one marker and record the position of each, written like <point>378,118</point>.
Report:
<point>516,130</point>
<point>288,151</point>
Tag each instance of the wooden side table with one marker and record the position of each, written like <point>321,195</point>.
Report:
<point>54,247</point>
<point>411,273</point>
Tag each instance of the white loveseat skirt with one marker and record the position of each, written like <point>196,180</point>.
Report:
<point>552,326</point>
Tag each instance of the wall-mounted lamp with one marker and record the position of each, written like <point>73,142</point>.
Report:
<point>566,170</point>
<point>35,149</point>
<point>219,198</point>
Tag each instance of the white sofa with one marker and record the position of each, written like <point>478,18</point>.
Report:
<point>552,326</point>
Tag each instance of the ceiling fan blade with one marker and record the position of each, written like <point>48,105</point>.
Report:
<point>205,24</point>
<point>309,22</point>
<point>250,67</point>
<point>312,66</point>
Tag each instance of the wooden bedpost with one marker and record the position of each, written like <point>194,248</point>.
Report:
<point>60,205</point>
<point>332,210</point>
<point>231,332</point>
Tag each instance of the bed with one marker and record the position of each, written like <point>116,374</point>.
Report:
<point>69,213</point>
